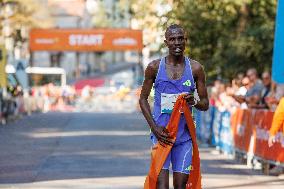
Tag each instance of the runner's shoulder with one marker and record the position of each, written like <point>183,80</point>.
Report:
<point>195,65</point>
<point>153,66</point>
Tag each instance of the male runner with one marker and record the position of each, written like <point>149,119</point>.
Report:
<point>173,75</point>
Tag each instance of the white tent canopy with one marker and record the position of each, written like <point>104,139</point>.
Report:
<point>41,70</point>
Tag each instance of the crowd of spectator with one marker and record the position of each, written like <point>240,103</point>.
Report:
<point>18,102</point>
<point>247,91</point>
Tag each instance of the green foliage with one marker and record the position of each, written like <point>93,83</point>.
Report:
<point>227,36</point>
<point>30,13</point>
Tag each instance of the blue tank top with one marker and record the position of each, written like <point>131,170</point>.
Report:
<point>164,85</point>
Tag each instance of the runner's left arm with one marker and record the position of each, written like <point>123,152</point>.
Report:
<point>200,80</point>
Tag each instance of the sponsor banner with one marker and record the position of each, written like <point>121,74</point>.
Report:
<point>278,55</point>
<point>251,132</point>
<point>238,124</point>
<point>226,138</point>
<point>197,115</point>
<point>216,129</point>
<point>85,40</point>
<point>207,122</point>
<point>245,130</point>
<point>274,153</point>
<point>204,122</point>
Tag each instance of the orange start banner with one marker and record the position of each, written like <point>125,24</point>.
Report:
<point>251,132</point>
<point>85,40</point>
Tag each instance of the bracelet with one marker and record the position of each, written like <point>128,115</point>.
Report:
<point>195,102</point>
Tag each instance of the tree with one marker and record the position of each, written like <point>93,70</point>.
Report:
<point>23,15</point>
<point>150,16</point>
<point>227,36</point>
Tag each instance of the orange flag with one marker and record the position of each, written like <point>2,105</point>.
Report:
<point>160,153</point>
<point>278,118</point>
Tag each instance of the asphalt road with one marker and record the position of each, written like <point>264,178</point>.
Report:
<point>98,150</point>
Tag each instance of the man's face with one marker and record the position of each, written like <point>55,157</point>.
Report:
<point>175,41</point>
<point>251,75</point>
<point>266,79</point>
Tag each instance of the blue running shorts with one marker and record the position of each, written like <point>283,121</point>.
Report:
<point>180,157</point>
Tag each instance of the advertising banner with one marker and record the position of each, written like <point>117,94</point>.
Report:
<point>274,153</point>
<point>278,55</point>
<point>226,138</point>
<point>216,129</point>
<point>251,133</point>
<point>247,131</point>
<point>85,40</point>
<point>238,124</point>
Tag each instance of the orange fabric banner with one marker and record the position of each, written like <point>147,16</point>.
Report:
<point>85,40</point>
<point>255,124</point>
<point>274,153</point>
<point>239,122</point>
<point>160,153</point>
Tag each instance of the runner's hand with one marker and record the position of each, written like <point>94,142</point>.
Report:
<point>163,136</point>
<point>190,99</point>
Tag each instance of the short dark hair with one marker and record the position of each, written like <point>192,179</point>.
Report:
<point>253,70</point>
<point>172,27</point>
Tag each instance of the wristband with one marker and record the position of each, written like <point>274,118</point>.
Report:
<point>195,102</point>
<point>196,97</point>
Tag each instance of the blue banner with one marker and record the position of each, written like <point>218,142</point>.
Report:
<point>204,122</point>
<point>225,133</point>
<point>214,128</point>
<point>278,51</point>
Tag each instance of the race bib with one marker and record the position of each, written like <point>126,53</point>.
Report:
<point>168,102</point>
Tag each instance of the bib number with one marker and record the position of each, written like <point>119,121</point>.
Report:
<point>168,102</point>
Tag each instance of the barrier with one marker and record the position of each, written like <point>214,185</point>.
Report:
<point>225,133</point>
<point>206,120</point>
<point>245,131</point>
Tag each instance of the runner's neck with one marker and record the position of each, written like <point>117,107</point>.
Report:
<point>175,59</point>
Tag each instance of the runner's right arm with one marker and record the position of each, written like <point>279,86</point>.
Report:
<point>160,132</point>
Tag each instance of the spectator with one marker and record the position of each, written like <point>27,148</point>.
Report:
<point>226,101</point>
<point>276,94</point>
<point>266,80</point>
<point>254,90</point>
<point>241,92</point>
<point>214,93</point>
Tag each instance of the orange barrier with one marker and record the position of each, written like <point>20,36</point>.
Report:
<point>251,132</point>
<point>85,40</point>
<point>160,153</point>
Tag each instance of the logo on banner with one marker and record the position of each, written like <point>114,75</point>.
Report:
<point>240,130</point>
<point>125,41</point>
